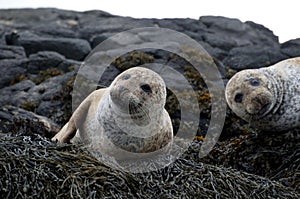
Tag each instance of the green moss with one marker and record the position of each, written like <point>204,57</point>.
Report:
<point>46,74</point>
<point>132,59</point>
<point>18,79</point>
<point>30,106</point>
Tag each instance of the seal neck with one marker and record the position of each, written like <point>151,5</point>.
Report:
<point>115,119</point>
<point>276,87</point>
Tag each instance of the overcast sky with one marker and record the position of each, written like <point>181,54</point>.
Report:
<point>282,17</point>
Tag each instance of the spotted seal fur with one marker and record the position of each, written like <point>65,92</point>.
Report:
<point>129,115</point>
<point>269,97</point>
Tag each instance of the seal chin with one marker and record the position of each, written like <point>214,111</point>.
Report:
<point>138,113</point>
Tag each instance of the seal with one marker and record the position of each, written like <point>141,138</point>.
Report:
<point>269,97</point>
<point>128,115</point>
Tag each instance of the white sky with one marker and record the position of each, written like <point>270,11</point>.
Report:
<point>282,17</point>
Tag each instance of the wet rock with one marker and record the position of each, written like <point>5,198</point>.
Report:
<point>44,60</point>
<point>48,108</point>
<point>17,94</point>
<point>97,39</point>
<point>168,23</point>
<point>12,39</point>
<point>226,33</point>
<point>13,70</point>
<point>217,40</point>
<point>69,65</point>
<point>58,28</point>
<point>246,57</point>
<point>19,121</point>
<point>2,35</point>
<point>75,49</point>
<point>12,52</point>
<point>28,95</point>
<point>113,25</point>
<point>291,48</point>
<point>262,35</point>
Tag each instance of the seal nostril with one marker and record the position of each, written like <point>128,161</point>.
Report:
<point>146,88</point>
<point>238,98</point>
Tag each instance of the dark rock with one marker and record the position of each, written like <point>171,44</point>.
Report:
<point>12,71</point>
<point>108,76</point>
<point>12,39</point>
<point>241,58</point>
<point>49,108</point>
<point>27,95</point>
<point>12,52</point>
<point>227,33</point>
<point>95,40</point>
<point>24,85</point>
<point>291,48</point>
<point>2,34</point>
<point>75,49</point>
<point>94,26</point>
<point>223,23</point>
<point>223,42</point>
<point>98,13</point>
<point>29,16</point>
<point>190,25</point>
<point>17,94</point>
<point>19,121</point>
<point>214,51</point>
<point>266,34</point>
<point>58,28</point>
<point>44,60</point>
<point>168,23</point>
<point>52,87</point>
<point>69,65</point>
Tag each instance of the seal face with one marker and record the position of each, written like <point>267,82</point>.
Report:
<point>141,94</point>
<point>128,115</point>
<point>269,97</point>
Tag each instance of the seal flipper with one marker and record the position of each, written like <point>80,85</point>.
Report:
<point>66,133</point>
<point>69,130</point>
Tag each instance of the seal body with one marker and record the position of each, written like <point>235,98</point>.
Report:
<point>268,98</point>
<point>127,116</point>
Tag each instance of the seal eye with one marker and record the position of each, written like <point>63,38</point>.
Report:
<point>238,98</point>
<point>126,76</point>
<point>146,88</point>
<point>254,81</point>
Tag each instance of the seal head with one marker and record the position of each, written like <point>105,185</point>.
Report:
<point>140,93</point>
<point>268,97</point>
<point>249,94</point>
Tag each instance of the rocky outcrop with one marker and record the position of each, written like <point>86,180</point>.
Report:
<point>20,121</point>
<point>291,48</point>
<point>41,51</point>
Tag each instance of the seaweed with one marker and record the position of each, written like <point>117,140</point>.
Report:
<point>34,167</point>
